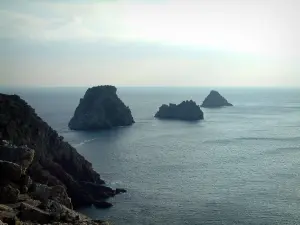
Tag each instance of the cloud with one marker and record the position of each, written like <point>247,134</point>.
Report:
<point>194,42</point>
<point>250,25</point>
<point>45,20</point>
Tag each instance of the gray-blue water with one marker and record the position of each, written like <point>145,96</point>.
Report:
<point>241,165</point>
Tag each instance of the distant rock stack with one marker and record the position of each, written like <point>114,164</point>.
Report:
<point>186,110</point>
<point>215,100</point>
<point>101,108</point>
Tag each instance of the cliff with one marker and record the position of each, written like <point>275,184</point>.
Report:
<point>24,201</point>
<point>34,157</point>
<point>186,110</point>
<point>100,108</point>
<point>215,100</point>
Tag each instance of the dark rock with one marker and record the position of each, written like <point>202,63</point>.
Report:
<point>23,189</point>
<point>215,100</point>
<point>8,194</point>
<point>62,213</point>
<point>41,192</point>
<point>26,181</point>
<point>10,171</point>
<point>34,214</point>
<point>102,205</point>
<point>120,190</point>
<point>57,193</point>
<point>100,108</point>
<point>98,191</point>
<point>55,162</point>
<point>6,213</point>
<point>186,110</point>
<point>21,155</point>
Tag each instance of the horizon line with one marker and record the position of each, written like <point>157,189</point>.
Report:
<point>141,86</point>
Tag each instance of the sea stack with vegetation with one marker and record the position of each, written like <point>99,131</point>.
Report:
<point>215,100</point>
<point>186,110</point>
<point>101,108</point>
<point>42,177</point>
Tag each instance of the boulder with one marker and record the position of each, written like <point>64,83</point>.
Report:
<point>57,193</point>
<point>21,155</point>
<point>40,192</point>
<point>10,171</point>
<point>215,100</point>
<point>186,110</point>
<point>5,208</point>
<point>8,194</point>
<point>62,213</point>
<point>100,108</point>
<point>7,214</point>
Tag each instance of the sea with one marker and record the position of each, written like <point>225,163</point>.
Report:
<point>240,165</point>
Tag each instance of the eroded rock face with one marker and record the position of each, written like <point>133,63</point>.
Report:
<point>100,108</point>
<point>187,110</point>
<point>39,172</point>
<point>55,162</point>
<point>45,193</point>
<point>215,100</point>
<point>22,155</point>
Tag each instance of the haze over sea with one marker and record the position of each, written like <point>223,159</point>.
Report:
<point>241,165</point>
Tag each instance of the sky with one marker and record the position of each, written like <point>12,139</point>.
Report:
<point>150,42</point>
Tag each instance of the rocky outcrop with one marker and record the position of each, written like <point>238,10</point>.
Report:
<point>100,108</point>
<point>37,203</point>
<point>186,110</point>
<point>45,193</point>
<point>215,100</point>
<point>22,155</point>
<point>40,174</point>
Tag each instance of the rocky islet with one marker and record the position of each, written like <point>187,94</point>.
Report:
<point>186,110</point>
<point>215,100</point>
<point>101,108</point>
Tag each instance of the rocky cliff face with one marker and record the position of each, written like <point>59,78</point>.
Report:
<point>44,158</point>
<point>215,100</point>
<point>100,108</point>
<point>24,201</point>
<point>187,110</point>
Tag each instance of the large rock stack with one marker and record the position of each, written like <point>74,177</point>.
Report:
<point>101,108</point>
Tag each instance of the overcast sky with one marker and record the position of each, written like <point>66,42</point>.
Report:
<point>150,42</point>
